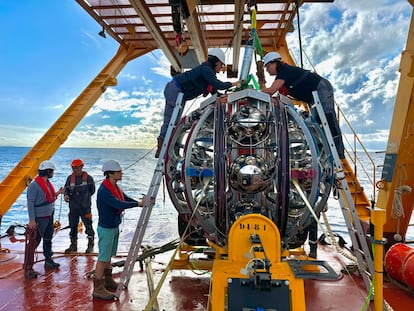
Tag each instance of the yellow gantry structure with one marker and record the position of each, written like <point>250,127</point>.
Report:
<point>141,26</point>
<point>398,168</point>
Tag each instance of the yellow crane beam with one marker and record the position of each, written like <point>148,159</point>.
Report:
<point>399,159</point>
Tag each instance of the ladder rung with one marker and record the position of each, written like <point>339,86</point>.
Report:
<point>149,203</point>
<point>347,203</point>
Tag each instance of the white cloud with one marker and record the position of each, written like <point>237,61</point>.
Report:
<point>357,45</point>
<point>109,136</point>
<point>162,68</point>
<point>124,102</point>
<point>128,76</point>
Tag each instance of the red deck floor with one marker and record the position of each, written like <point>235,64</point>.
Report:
<point>68,288</point>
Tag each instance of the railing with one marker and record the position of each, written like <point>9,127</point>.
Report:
<point>358,154</point>
<point>353,144</point>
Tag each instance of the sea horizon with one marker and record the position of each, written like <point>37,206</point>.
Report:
<point>138,165</point>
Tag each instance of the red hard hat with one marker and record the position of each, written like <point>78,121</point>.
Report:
<point>77,162</point>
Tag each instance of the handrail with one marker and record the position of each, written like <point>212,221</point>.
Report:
<point>353,146</point>
<point>356,145</point>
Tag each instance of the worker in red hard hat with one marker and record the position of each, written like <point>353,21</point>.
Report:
<point>79,188</point>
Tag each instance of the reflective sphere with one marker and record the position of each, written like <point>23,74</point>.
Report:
<point>247,125</point>
<point>202,152</point>
<point>207,198</point>
<point>249,174</point>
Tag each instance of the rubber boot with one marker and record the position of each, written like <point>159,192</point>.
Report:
<point>109,281</point>
<point>31,274</point>
<point>73,248</point>
<point>99,290</point>
<point>313,249</point>
<point>160,141</point>
<point>89,249</point>
<point>50,264</point>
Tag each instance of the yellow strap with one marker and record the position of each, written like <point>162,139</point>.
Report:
<point>253,17</point>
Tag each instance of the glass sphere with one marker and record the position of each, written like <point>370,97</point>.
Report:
<point>249,174</point>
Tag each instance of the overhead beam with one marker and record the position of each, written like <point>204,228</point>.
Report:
<point>153,28</point>
<point>101,22</point>
<point>197,34</point>
<point>238,32</point>
<point>214,2</point>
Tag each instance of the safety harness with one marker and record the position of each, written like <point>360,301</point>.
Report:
<point>73,179</point>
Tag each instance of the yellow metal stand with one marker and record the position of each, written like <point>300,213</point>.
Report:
<point>240,256</point>
<point>378,218</point>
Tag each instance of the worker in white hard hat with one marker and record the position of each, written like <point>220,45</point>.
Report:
<point>201,80</point>
<point>299,84</point>
<point>111,202</point>
<point>41,197</point>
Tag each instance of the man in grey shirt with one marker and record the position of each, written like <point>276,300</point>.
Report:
<point>41,196</point>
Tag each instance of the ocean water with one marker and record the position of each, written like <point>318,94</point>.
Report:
<point>138,167</point>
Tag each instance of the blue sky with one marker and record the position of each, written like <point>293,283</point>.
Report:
<point>51,51</point>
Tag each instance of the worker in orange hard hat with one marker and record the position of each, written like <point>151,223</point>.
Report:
<point>76,163</point>
<point>79,188</point>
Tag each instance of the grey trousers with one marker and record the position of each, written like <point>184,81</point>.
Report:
<point>326,96</point>
<point>171,92</point>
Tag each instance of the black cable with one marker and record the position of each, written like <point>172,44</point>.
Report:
<point>299,34</point>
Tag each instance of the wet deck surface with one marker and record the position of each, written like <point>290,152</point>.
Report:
<point>69,288</point>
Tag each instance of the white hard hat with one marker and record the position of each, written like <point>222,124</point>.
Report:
<point>111,165</point>
<point>47,165</point>
<point>270,57</point>
<point>218,53</point>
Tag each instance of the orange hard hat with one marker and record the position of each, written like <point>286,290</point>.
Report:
<point>77,162</point>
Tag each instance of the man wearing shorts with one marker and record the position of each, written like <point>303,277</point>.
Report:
<point>111,202</point>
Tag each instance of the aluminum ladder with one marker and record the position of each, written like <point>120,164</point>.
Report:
<point>149,201</point>
<point>357,235</point>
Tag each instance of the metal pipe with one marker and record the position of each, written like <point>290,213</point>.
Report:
<point>247,60</point>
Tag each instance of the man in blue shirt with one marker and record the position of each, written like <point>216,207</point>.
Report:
<point>111,202</point>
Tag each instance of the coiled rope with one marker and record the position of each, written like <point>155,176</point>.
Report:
<point>397,210</point>
<point>397,206</point>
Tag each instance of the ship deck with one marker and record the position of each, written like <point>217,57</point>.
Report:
<point>70,288</point>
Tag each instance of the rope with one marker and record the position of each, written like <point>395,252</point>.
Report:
<point>29,248</point>
<point>335,243</point>
<point>328,230</point>
<point>57,224</point>
<point>397,210</point>
<point>397,206</point>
